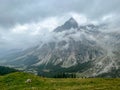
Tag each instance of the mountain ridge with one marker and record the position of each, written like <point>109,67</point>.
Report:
<point>88,50</point>
<point>71,23</point>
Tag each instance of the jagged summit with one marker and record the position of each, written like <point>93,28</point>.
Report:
<point>71,23</point>
<point>72,20</point>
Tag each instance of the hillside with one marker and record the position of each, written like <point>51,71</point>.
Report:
<point>6,70</point>
<point>16,81</point>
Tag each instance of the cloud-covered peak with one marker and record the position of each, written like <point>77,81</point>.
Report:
<point>24,22</point>
<point>71,23</point>
<point>72,20</point>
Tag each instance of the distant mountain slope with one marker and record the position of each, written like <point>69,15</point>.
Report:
<point>88,50</point>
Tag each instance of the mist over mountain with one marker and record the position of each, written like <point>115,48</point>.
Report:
<point>71,23</point>
<point>87,50</point>
<point>77,37</point>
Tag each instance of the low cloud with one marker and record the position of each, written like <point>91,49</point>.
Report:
<point>32,33</point>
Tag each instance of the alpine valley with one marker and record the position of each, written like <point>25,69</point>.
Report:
<point>85,50</point>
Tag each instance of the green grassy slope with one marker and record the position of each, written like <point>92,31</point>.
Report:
<point>16,81</point>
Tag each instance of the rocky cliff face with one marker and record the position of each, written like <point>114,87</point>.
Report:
<point>87,50</point>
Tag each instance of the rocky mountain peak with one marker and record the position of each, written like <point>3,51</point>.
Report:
<point>71,23</point>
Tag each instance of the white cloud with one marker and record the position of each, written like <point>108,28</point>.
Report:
<point>25,35</point>
<point>49,24</point>
<point>20,29</point>
<point>34,28</point>
<point>108,17</point>
<point>80,18</point>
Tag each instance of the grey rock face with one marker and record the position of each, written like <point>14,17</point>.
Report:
<point>71,23</point>
<point>86,50</point>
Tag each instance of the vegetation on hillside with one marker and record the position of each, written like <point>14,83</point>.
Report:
<point>6,70</point>
<point>16,81</point>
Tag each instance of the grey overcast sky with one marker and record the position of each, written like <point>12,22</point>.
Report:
<point>21,20</point>
<point>25,11</point>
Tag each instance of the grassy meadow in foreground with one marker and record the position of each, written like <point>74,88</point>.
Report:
<point>16,81</point>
